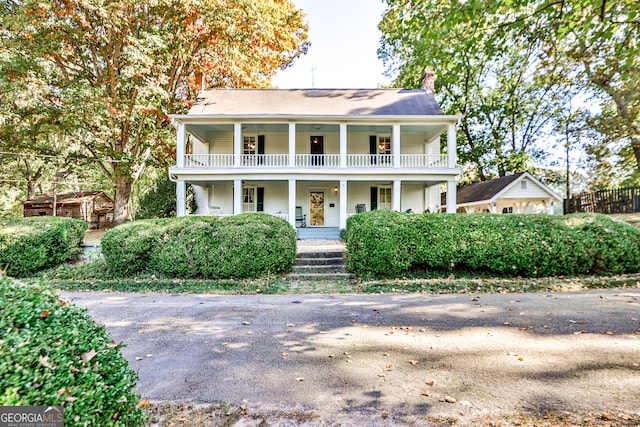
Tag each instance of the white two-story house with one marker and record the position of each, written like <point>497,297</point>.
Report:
<point>315,156</point>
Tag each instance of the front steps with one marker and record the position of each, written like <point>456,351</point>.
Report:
<point>320,260</point>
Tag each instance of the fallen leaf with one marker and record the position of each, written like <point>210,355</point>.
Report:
<point>475,298</point>
<point>412,361</point>
<point>299,378</point>
<point>140,331</point>
<point>290,325</point>
<point>449,399</point>
<point>353,320</point>
<point>284,354</point>
<point>86,357</point>
<point>246,323</point>
<point>61,391</point>
<point>425,393</point>
<point>70,399</point>
<point>626,417</point>
<point>144,403</point>
<point>139,358</point>
<point>44,361</point>
<point>44,314</point>
<point>389,367</point>
<point>609,332</point>
<point>431,383</point>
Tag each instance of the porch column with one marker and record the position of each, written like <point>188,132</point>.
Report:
<point>395,196</point>
<point>237,144</point>
<point>180,144</point>
<point>343,204</point>
<point>181,197</point>
<point>237,196</point>
<point>451,146</point>
<point>292,202</point>
<point>395,146</point>
<point>550,206</point>
<point>451,196</point>
<point>343,146</point>
<point>292,144</point>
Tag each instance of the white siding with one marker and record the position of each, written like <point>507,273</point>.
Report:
<point>201,196</point>
<point>532,191</point>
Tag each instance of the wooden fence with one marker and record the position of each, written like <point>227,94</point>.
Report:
<point>618,200</point>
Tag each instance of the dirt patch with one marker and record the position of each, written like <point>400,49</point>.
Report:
<point>169,414</point>
<point>93,237</point>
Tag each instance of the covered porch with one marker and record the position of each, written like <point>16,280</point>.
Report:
<point>309,203</point>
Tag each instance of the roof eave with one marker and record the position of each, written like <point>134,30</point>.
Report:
<point>200,118</point>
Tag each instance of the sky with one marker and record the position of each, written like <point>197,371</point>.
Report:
<point>344,39</point>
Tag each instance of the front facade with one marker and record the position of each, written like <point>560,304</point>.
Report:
<point>314,157</point>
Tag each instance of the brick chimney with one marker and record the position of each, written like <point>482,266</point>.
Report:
<point>429,81</point>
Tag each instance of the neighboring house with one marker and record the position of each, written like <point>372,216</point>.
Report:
<point>94,207</point>
<point>311,156</point>
<point>519,193</point>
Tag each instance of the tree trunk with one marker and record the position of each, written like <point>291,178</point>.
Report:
<point>121,201</point>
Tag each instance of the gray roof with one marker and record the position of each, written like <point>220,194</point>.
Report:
<point>486,190</point>
<point>316,102</point>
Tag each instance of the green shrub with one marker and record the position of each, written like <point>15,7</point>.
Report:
<point>390,243</point>
<point>52,354</point>
<point>247,245</point>
<point>31,244</point>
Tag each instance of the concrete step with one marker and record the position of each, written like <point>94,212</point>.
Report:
<point>320,261</point>
<point>322,254</point>
<point>320,276</point>
<point>320,269</point>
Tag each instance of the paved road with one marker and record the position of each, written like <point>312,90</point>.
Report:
<point>400,358</point>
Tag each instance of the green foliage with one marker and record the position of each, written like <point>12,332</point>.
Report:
<point>31,244</point>
<point>160,200</point>
<point>247,245</point>
<point>52,353</point>
<point>512,68</point>
<point>109,72</point>
<point>391,243</point>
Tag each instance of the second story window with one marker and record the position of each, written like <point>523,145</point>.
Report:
<point>249,148</point>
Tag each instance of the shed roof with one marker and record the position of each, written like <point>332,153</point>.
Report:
<point>485,190</point>
<point>317,102</point>
<point>65,198</point>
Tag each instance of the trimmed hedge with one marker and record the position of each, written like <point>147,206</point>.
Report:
<point>241,246</point>
<point>391,243</point>
<point>52,354</point>
<point>31,244</point>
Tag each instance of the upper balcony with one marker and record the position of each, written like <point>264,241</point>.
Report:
<point>372,147</point>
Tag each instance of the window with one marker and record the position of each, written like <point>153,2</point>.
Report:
<point>249,199</point>
<point>249,150</point>
<point>384,198</point>
<point>523,185</point>
<point>384,149</point>
<point>507,210</point>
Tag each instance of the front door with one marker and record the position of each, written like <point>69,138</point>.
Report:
<point>317,150</point>
<point>316,208</point>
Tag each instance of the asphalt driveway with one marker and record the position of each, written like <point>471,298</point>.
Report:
<point>391,358</point>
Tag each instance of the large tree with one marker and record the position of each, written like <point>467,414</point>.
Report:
<point>120,66</point>
<point>512,67</point>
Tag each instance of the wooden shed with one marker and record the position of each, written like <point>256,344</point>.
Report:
<point>94,207</point>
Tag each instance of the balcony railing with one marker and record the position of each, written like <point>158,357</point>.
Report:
<point>318,160</point>
<point>370,160</point>
<point>409,161</point>
<point>208,160</point>
<point>424,160</point>
<point>266,160</point>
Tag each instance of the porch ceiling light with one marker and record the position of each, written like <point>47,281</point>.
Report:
<point>335,189</point>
